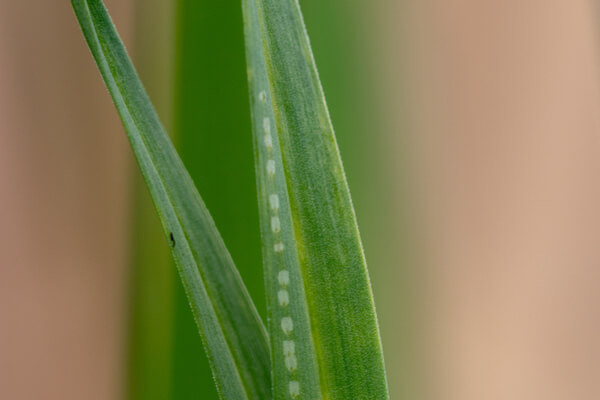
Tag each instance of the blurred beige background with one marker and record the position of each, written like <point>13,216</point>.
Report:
<point>62,243</point>
<point>499,159</point>
<point>504,166</point>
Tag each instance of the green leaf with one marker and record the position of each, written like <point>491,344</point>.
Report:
<point>235,339</point>
<point>323,328</point>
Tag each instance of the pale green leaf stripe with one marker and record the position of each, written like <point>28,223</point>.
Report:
<point>233,334</point>
<point>295,369</point>
<point>318,218</point>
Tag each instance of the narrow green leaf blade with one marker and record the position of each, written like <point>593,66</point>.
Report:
<point>308,223</point>
<point>294,361</point>
<point>235,339</point>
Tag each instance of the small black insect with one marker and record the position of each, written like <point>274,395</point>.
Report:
<point>172,239</point>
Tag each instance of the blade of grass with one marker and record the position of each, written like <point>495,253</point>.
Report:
<point>233,334</point>
<point>294,361</point>
<point>324,334</point>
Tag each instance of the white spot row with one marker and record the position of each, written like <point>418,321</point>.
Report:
<point>283,296</point>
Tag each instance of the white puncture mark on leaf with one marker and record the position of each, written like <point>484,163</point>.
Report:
<point>291,363</point>
<point>278,247</point>
<point>268,141</point>
<point>294,389</point>
<point>289,351</point>
<point>284,278</point>
<point>262,96</point>
<point>274,202</point>
<point>289,347</point>
<point>275,224</point>
<point>271,167</point>
<point>267,125</point>
<point>287,325</point>
<point>283,297</point>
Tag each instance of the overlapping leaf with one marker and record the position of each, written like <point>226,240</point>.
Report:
<point>234,337</point>
<point>323,329</point>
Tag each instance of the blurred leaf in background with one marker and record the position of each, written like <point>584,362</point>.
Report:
<point>208,114</point>
<point>212,123</point>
